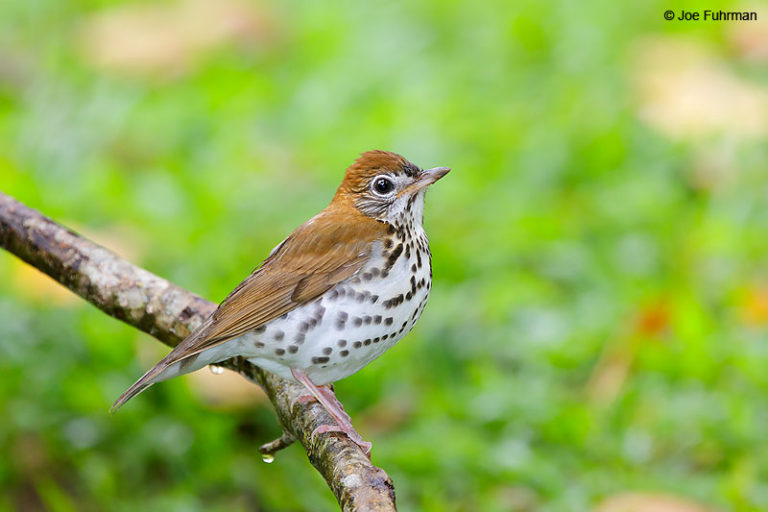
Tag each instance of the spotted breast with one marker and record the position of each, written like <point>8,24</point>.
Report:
<point>356,321</point>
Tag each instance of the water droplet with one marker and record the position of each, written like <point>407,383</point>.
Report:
<point>268,458</point>
<point>216,370</point>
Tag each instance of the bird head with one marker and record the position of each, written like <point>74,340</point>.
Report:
<point>385,186</point>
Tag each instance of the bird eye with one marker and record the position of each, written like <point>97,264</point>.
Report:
<point>382,186</point>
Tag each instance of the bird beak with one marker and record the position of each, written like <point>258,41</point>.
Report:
<point>432,175</point>
<point>425,179</point>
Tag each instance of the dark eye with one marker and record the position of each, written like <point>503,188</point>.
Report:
<point>383,186</point>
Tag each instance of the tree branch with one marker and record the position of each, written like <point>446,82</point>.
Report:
<point>168,312</point>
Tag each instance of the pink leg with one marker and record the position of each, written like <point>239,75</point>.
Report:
<point>331,396</point>
<point>331,404</point>
<point>325,390</point>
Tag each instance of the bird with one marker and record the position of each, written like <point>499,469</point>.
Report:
<point>344,287</point>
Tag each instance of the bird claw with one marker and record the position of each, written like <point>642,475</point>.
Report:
<point>351,434</point>
<point>302,399</point>
<point>322,429</point>
<point>305,399</point>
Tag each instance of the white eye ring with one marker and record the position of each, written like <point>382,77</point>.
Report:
<point>382,185</point>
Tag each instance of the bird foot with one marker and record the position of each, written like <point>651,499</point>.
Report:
<point>328,394</point>
<point>351,433</point>
<point>301,399</point>
<point>331,404</point>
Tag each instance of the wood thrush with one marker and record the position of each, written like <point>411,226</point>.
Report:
<point>344,287</point>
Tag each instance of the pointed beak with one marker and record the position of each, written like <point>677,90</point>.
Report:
<point>432,175</point>
<point>425,179</point>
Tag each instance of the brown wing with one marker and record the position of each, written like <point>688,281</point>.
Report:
<point>318,255</point>
<point>322,252</point>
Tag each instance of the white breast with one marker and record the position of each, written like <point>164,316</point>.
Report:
<point>353,323</point>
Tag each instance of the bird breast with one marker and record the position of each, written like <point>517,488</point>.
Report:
<point>354,322</point>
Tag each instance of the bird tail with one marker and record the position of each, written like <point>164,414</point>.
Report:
<point>163,370</point>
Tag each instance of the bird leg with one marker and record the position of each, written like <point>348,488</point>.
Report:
<point>331,404</point>
<point>326,390</point>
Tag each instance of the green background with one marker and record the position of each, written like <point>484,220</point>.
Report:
<point>598,317</point>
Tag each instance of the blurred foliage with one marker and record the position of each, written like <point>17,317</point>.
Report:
<point>598,319</point>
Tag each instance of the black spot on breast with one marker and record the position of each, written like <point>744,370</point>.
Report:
<point>333,294</point>
<point>279,335</point>
<point>344,353</point>
<point>342,343</point>
<point>367,276</point>
<point>394,301</point>
<point>320,360</point>
<point>394,255</point>
<point>388,320</point>
<point>375,272</point>
<point>408,296</point>
<point>374,298</point>
<point>279,351</point>
<point>376,340</point>
<point>367,320</point>
<point>418,258</point>
<point>388,243</point>
<point>408,251</point>
<point>385,336</point>
<point>357,344</point>
<point>293,349</point>
<point>377,319</point>
<point>367,342</point>
<point>303,327</point>
<point>327,350</point>
<point>413,268</point>
<point>260,329</point>
<point>358,321</point>
<point>258,344</point>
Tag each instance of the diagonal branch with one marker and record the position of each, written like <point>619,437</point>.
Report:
<point>168,312</point>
